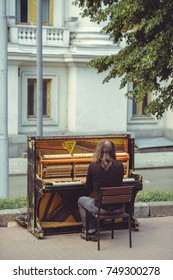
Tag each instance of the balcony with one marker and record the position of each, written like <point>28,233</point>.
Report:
<point>26,35</point>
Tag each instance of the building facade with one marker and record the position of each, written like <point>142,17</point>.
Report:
<point>75,101</point>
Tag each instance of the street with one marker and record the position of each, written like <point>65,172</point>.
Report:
<point>153,179</point>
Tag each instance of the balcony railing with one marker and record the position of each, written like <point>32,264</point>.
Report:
<point>26,35</point>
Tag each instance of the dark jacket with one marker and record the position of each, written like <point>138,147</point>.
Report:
<point>97,177</point>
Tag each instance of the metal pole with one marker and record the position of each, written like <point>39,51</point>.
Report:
<point>4,164</point>
<point>39,70</point>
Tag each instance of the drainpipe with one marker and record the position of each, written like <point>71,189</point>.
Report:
<point>4,161</point>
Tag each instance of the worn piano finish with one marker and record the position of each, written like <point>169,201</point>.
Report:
<point>57,168</point>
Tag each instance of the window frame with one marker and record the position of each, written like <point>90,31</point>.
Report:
<point>53,118</point>
<point>135,119</point>
<point>19,14</point>
<point>31,12</point>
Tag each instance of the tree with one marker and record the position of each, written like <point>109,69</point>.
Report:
<point>147,58</point>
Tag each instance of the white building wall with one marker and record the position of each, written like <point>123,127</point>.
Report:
<point>73,11</point>
<point>94,107</point>
<point>169,125</point>
<point>59,9</point>
<point>72,98</point>
<point>13,100</point>
<point>169,120</point>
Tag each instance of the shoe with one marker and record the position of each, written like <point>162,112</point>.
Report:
<point>90,231</point>
<point>83,236</point>
<point>91,236</point>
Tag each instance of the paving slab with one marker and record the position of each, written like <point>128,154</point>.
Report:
<point>152,242</point>
<point>153,142</point>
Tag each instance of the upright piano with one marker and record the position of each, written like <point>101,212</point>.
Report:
<point>57,168</point>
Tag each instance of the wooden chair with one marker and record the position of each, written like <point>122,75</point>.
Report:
<point>109,196</point>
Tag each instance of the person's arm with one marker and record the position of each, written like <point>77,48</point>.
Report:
<point>122,172</point>
<point>89,182</point>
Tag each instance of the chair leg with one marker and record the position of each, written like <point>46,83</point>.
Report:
<point>112,235</point>
<point>86,225</point>
<point>130,233</point>
<point>98,234</point>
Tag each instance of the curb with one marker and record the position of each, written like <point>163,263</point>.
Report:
<point>153,167</point>
<point>153,209</point>
<point>9,215</point>
<point>141,210</point>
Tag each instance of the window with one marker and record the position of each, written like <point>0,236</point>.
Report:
<point>136,111</point>
<point>54,101</point>
<point>138,108</point>
<point>46,11</point>
<point>32,98</point>
<point>22,11</point>
<point>26,11</point>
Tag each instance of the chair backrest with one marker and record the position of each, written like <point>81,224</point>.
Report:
<point>120,194</point>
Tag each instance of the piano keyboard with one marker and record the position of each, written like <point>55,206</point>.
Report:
<point>66,183</point>
<point>128,180</point>
<point>78,182</point>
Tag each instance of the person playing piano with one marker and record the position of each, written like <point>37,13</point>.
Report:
<point>104,171</point>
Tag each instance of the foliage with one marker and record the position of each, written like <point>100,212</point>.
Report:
<point>13,203</point>
<point>148,196</point>
<point>147,27</point>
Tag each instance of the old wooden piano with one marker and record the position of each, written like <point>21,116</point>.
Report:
<point>57,168</point>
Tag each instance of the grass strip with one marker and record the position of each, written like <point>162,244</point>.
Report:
<point>13,203</point>
<point>154,196</point>
<point>143,196</point>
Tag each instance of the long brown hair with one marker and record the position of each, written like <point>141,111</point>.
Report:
<point>105,153</point>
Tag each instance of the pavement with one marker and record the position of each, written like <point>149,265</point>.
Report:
<point>153,241</point>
